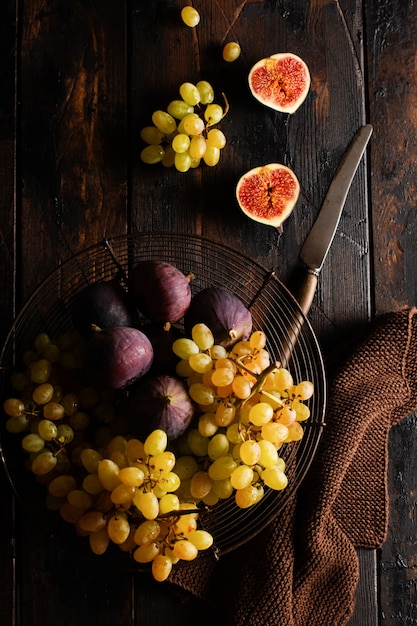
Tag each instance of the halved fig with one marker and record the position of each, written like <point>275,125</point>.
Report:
<point>281,81</point>
<point>268,194</point>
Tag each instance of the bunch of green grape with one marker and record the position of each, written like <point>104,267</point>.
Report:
<point>248,409</point>
<point>183,136</point>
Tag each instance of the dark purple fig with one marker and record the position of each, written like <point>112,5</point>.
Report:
<point>159,401</point>
<point>103,304</point>
<point>223,312</point>
<point>162,338</point>
<point>160,291</point>
<point>117,356</point>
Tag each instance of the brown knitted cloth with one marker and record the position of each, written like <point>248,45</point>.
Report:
<point>303,570</point>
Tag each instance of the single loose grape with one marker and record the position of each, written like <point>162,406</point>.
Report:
<point>190,16</point>
<point>231,51</point>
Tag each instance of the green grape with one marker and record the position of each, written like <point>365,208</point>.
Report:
<point>60,486</point>
<point>218,446</point>
<point>99,541</point>
<point>218,352</point>
<point>231,51</point>
<point>201,362</point>
<point>17,423</point>
<point>92,484</point>
<point>206,92</point>
<point>185,550</point>
<point>47,430</point>
<point>42,342</point>
<point>123,494</point>
<point>43,463</point>
<point>65,433</point>
<point>233,433</point>
<point>195,162</point>
<point>184,348</point>
<point>13,407</point>
<point>162,564</point>
<point>108,473</point>
<point>180,143</point>
<point>201,333</point>
<point>33,443</point>
<point>295,432</point>
<point>151,135</point>
<point>80,499</point>
<point>179,109</point>
<point>211,156</point>
<point>241,477</point>
<point>183,368</point>
<point>147,503</point>
<point>52,353</point>
<point>189,93</point>
<point>222,488</point>
<point>169,502</point>
<point>198,146</point>
<point>131,476</point>
<point>70,513</point>
<point>163,462</point>
<point>117,443</point>
<point>164,122</point>
<point>302,411</point>
<point>92,521</point>
<point>222,376</point>
<point>169,482</point>
<point>242,387</point>
<point>282,380</point>
<point>192,124</point>
<point>90,459</point>
<point>250,452</point>
<point>146,553</point>
<point>201,394</point>
<point>286,415</point>
<point>202,539</point>
<point>152,154</point>
<point>261,413</point>
<point>275,478</point>
<point>269,453</point>
<point>225,414</point>
<point>118,528</point>
<point>40,371</point>
<point>222,467</point>
<point>155,442</point>
<point>169,157</point>
<point>216,138</point>
<point>190,16</point>
<point>182,161</point>
<point>197,443</point>
<point>207,425</point>
<point>247,497</point>
<point>186,466</point>
<point>304,390</point>
<point>274,432</point>
<point>213,114</point>
<point>200,484</point>
<point>147,532</point>
<point>53,411</point>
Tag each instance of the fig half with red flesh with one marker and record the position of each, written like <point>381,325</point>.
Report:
<point>268,194</point>
<point>281,81</point>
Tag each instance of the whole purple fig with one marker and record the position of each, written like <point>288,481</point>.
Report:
<point>160,291</point>
<point>159,401</point>
<point>117,356</point>
<point>102,304</point>
<point>223,312</point>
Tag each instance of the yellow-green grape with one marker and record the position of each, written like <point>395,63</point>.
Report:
<point>261,413</point>
<point>206,91</point>
<point>185,550</point>
<point>179,109</point>
<point>184,348</point>
<point>250,452</point>
<point>225,414</point>
<point>274,432</point>
<point>218,352</point>
<point>146,553</point>
<point>182,162</point>
<point>185,524</point>
<point>273,477</point>
<point>201,362</point>
<point>269,453</point>
<point>216,138</point>
<point>92,521</point>
<point>304,390</point>
<point>202,539</point>
<point>43,463</point>
<point>33,443</point>
<point>17,423</point>
<point>295,432</point>
<point>79,421</point>
<point>163,462</point>
<point>218,446</point>
<point>233,433</point>
<point>117,443</point>
<point>164,122</point>
<point>42,342</point>
<point>202,335</point>
<point>108,473</point>
<point>257,340</point>
<point>40,371</point>
<point>231,51</point>
<point>53,411</point>
<point>169,157</point>
<point>123,494</point>
<point>180,143</point>
<point>80,499</point>
<point>183,368</point>
<point>169,502</point>
<point>197,443</point>
<point>155,442</point>
<point>192,124</point>
<point>65,433</point>
<point>99,541</point>
<point>286,415</point>
<point>43,393</point>
<point>118,528</point>
<point>283,380</point>
<point>151,135</point>
<point>222,376</point>
<point>222,467</point>
<point>222,488</point>
<point>91,484</point>
<point>200,484</point>
<point>169,481</point>
<point>248,496</point>
<point>195,161</point>
<point>241,477</point>
<point>152,154</point>
<point>14,407</point>
<point>60,486</point>
<point>242,387</point>
<point>213,114</point>
<point>135,450</point>
<point>186,466</point>
<point>190,16</point>
<point>211,156</point>
<point>47,430</point>
<point>302,411</point>
<point>207,424</point>
<point>262,359</point>
<point>201,394</point>
<point>147,504</point>
<point>90,459</point>
<point>70,513</point>
<point>189,93</point>
<point>161,564</point>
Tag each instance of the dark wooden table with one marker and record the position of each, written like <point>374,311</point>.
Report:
<point>79,78</point>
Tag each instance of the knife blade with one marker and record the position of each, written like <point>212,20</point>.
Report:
<point>317,244</point>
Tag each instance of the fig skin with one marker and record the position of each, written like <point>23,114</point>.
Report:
<point>116,357</point>
<point>103,304</point>
<point>162,338</point>
<point>160,291</point>
<point>223,312</point>
<point>159,401</point>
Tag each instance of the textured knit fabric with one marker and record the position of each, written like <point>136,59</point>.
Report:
<point>303,569</point>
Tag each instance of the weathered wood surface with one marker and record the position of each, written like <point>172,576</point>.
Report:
<point>79,80</point>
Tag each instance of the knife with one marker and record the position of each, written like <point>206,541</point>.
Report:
<point>318,242</point>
